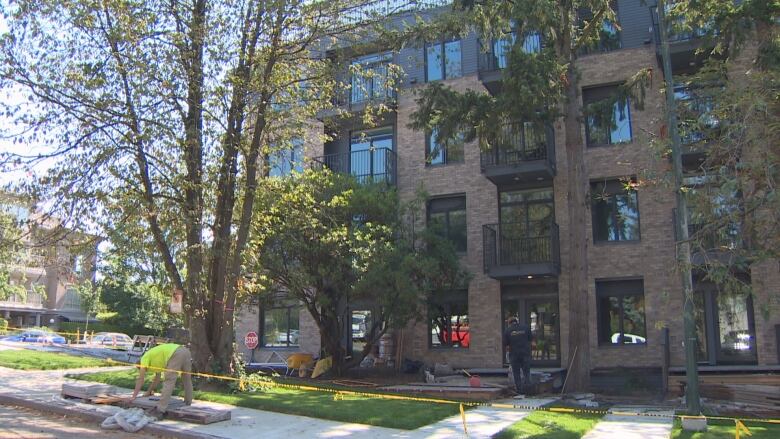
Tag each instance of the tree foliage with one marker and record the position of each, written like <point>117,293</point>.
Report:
<point>333,242</point>
<point>158,118</point>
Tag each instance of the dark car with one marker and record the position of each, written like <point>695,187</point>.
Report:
<point>36,336</point>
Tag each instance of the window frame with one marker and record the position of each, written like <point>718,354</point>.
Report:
<point>626,287</point>
<point>442,47</point>
<point>370,63</point>
<point>264,313</point>
<point>607,183</point>
<point>447,300</point>
<point>287,160</point>
<point>606,91</point>
<point>443,152</point>
<point>452,198</point>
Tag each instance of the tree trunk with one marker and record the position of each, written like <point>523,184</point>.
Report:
<point>579,307</point>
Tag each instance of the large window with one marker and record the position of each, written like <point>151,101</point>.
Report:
<point>442,153</point>
<point>283,162</point>
<point>621,312</point>
<point>443,60</point>
<point>447,217</point>
<point>281,326</point>
<point>608,116</point>
<point>532,43</point>
<point>695,113</point>
<point>448,317</point>
<point>615,211</point>
<point>369,78</point>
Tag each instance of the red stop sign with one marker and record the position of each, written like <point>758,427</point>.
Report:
<point>251,339</point>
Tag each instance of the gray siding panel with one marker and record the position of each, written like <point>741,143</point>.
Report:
<point>412,62</point>
<point>635,22</point>
<point>470,51</point>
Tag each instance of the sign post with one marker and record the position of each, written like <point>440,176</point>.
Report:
<point>251,341</point>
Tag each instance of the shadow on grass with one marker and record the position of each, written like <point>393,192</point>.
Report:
<point>407,415</point>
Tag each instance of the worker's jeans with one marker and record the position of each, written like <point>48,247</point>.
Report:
<point>180,360</point>
<point>521,371</point>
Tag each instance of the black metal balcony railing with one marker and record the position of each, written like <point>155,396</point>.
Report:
<point>497,57</point>
<point>378,164</point>
<point>675,34</point>
<point>363,95</point>
<point>520,244</point>
<point>519,143</point>
<point>375,9</point>
<point>722,239</point>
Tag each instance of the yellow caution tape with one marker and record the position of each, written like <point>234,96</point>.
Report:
<point>463,417</point>
<point>740,427</point>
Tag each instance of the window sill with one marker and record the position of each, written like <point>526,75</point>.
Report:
<point>443,165</point>
<point>614,346</point>
<point>611,243</point>
<point>606,145</point>
<point>280,348</point>
<point>447,348</point>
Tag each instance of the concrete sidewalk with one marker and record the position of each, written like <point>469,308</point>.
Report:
<point>41,389</point>
<point>657,425</point>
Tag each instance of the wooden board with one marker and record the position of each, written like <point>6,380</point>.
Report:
<point>150,402</point>
<point>198,415</point>
<point>87,391</point>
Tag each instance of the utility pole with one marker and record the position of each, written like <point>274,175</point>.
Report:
<point>681,223</point>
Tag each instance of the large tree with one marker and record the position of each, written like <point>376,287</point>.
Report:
<point>539,86</point>
<point>332,242</point>
<point>159,114</point>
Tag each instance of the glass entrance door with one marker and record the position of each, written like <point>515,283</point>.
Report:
<point>542,315</point>
<point>725,327</point>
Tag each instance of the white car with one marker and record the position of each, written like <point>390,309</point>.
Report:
<point>628,339</point>
<point>113,339</point>
<point>282,337</point>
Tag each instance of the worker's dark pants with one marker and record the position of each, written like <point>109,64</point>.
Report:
<point>521,369</point>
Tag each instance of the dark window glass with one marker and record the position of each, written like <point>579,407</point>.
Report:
<point>532,43</point>
<point>695,117</point>
<point>443,60</point>
<point>615,212</point>
<point>447,217</point>
<point>448,320</point>
<point>621,312</point>
<point>281,326</point>
<point>369,78</point>
<point>608,120</point>
<point>283,162</point>
<point>440,154</point>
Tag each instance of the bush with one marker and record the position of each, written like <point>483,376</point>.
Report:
<point>3,326</point>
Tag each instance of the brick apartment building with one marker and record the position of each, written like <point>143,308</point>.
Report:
<point>48,268</point>
<point>506,211</point>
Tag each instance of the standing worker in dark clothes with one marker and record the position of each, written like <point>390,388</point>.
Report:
<point>517,341</point>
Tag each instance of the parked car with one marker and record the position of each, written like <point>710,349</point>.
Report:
<point>114,339</point>
<point>36,336</point>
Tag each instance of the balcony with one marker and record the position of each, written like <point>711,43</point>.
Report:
<point>492,62</point>
<point>510,251</point>
<point>380,9</point>
<point>368,165</point>
<point>524,153</point>
<point>711,244</point>
<point>683,44</point>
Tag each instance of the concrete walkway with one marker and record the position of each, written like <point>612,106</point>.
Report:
<point>43,388</point>
<point>616,426</point>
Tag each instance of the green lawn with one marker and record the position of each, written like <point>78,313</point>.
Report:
<point>725,430</point>
<point>406,415</point>
<point>550,425</point>
<point>33,360</point>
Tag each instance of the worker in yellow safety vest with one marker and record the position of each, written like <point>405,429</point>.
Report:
<point>170,359</point>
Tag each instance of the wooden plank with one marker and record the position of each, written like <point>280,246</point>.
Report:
<point>86,391</point>
<point>149,402</point>
<point>199,415</point>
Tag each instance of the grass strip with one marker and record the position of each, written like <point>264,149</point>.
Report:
<point>407,415</point>
<point>550,425</point>
<point>24,359</point>
<point>722,429</point>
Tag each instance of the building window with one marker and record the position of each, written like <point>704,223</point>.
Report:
<point>281,326</point>
<point>369,78</point>
<point>71,299</point>
<point>283,162</point>
<point>443,60</point>
<point>532,43</point>
<point>608,116</point>
<point>615,211</point>
<point>442,153</point>
<point>695,113</point>
<point>621,312</point>
<point>449,320</point>
<point>371,153</point>
<point>447,217</point>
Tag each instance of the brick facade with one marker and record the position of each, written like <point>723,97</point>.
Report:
<point>652,258</point>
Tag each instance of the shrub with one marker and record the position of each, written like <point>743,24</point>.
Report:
<point>3,326</point>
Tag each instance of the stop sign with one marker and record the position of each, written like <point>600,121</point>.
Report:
<point>251,339</point>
